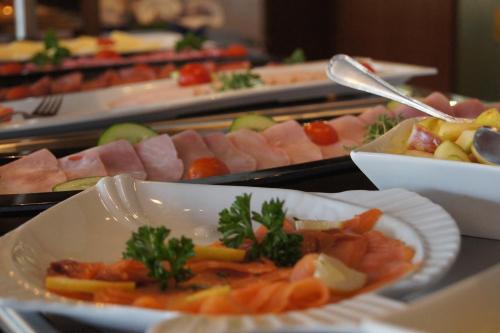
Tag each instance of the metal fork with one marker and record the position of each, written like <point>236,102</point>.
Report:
<point>49,106</point>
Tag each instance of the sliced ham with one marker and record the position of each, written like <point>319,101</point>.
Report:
<point>41,87</point>
<point>256,145</point>
<point>470,108</point>
<point>120,157</point>
<point>83,164</point>
<point>225,150</point>
<point>436,100</point>
<point>190,147</point>
<point>159,157</point>
<point>137,73</point>
<point>349,128</point>
<point>67,83</point>
<point>371,115</point>
<point>290,136</point>
<point>339,148</point>
<point>37,172</point>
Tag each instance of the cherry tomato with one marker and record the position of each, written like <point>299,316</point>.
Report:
<point>18,93</point>
<point>235,50</point>
<point>11,68</point>
<point>105,41</point>
<point>107,54</point>
<point>191,74</point>
<point>207,167</point>
<point>321,133</point>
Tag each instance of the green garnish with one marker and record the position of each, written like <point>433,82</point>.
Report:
<point>238,80</point>
<point>190,41</point>
<point>297,57</point>
<point>52,53</point>
<point>381,126</point>
<point>148,246</point>
<point>235,225</point>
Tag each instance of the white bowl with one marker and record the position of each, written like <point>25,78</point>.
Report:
<point>470,192</point>
<point>94,225</point>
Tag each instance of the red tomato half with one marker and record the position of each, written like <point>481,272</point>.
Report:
<point>235,50</point>
<point>191,74</point>
<point>321,133</point>
<point>11,68</point>
<point>368,66</point>
<point>207,167</point>
<point>107,54</point>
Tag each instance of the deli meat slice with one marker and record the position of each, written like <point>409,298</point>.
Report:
<point>371,115</point>
<point>339,148</point>
<point>256,145</point>
<point>290,136</point>
<point>349,128</point>
<point>190,147</point>
<point>84,164</point>
<point>224,150</point>
<point>120,157</point>
<point>37,172</point>
<point>436,100</point>
<point>470,108</point>
<point>67,83</point>
<point>159,157</point>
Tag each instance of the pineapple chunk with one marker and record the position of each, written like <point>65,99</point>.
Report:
<point>218,253</point>
<point>448,150</point>
<point>66,284</point>
<point>337,276</point>
<point>465,140</point>
<point>451,131</point>
<point>490,117</point>
<point>214,291</point>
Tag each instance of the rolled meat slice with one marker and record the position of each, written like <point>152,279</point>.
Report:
<point>120,157</point>
<point>257,146</point>
<point>290,136</point>
<point>338,149</point>
<point>36,172</point>
<point>67,83</point>
<point>225,150</point>
<point>83,164</point>
<point>190,147</point>
<point>470,108</point>
<point>371,115</point>
<point>159,157</point>
<point>349,128</point>
<point>436,100</point>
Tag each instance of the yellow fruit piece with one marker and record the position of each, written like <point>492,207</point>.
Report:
<point>451,131</point>
<point>337,276</point>
<point>66,284</point>
<point>431,124</point>
<point>214,291</point>
<point>218,253</point>
<point>465,140</point>
<point>316,224</point>
<point>418,153</point>
<point>448,150</point>
<point>490,117</point>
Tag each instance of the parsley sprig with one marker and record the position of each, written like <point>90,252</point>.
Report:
<point>382,125</point>
<point>148,246</point>
<point>52,53</point>
<point>297,57</point>
<point>235,225</point>
<point>190,41</point>
<point>238,80</point>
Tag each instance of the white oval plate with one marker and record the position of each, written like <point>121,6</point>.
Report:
<point>94,226</point>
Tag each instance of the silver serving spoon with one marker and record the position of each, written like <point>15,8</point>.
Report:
<point>346,71</point>
<point>487,144</point>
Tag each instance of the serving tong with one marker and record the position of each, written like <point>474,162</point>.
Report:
<point>346,71</point>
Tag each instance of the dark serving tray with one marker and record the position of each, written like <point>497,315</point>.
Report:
<point>331,175</point>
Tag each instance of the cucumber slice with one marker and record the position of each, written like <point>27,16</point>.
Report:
<point>131,132</point>
<point>79,184</point>
<point>252,121</point>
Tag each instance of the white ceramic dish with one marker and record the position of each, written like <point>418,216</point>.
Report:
<point>79,110</point>
<point>468,191</point>
<point>94,225</point>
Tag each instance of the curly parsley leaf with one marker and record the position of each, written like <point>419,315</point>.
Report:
<point>381,126</point>
<point>148,246</point>
<point>235,224</point>
<point>297,57</point>
<point>238,80</point>
<point>52,53</point>
<point>190,41</point>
